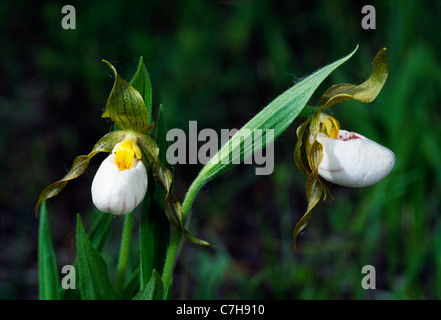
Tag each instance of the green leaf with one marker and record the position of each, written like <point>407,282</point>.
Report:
<point>132,285</point>
<point>141,83</point>
<point>154,290</point>
<point>100,230</point>
<point>154,228</point>
<point>97,236</point>
<point>275,117</point>
<point>49,282</point>
<point>94,281</point>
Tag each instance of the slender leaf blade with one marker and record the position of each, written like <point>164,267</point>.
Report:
<point>97,236</point>
<point>154,290</point>
<point>132,285</point>
<point>154,226</point>
<point>49,282</point>
<point>100,230</point>
<point>141,82</point>
<point>274,119</point>
<point>94,281</point>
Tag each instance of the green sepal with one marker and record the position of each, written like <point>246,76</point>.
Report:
<point>172,206</point>
<point>300,157</point>
<point>80,164</point>
<point>126,106</point>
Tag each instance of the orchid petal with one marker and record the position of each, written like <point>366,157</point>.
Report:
<point>353,160</point>
<point>118,191</point>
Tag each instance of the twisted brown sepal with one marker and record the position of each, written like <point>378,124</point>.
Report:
<point>105,144</point>
<point>314,186</point>
<point>365,92</point>
<point>164,178</point>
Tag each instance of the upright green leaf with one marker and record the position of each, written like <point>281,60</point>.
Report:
<point>97,236</point>
<point>132,285</point>
<point>49,282</point>
<point>141,82</point>
<point>154,290</point>
<point>94,281</point>
<point>100,230</point>
<point>270,123</point>
<point>154,228</point>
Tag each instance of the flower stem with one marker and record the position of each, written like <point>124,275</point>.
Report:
<point>124,252</point>
<point>172,251</point>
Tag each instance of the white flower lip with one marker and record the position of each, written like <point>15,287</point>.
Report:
<point>119,191</point>
<point>353,160</point>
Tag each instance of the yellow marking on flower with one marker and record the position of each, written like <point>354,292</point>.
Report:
<point>329,126</point>
<point>125,153</point>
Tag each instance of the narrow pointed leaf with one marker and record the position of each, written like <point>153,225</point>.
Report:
<point>154,290</point>
<point>97,236</point>
<point>154,228</point>
<point>100,230</point>
<point>48,280</point>
<point>271,121</point>
<point>132,286</point>
<point>94,281</point>
<point>277,116</point>
<point>141,83</point>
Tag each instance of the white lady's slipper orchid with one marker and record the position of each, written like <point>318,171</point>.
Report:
<point>353,160</point>
<point>120,183</point>
<point>324,152</point>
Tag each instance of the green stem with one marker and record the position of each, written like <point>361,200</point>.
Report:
<point>124,252</point>
<point>307,111</point>
<point>172,251</point>
<point>192,192</point>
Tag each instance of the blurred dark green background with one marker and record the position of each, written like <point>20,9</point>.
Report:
<point>220,62</point>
